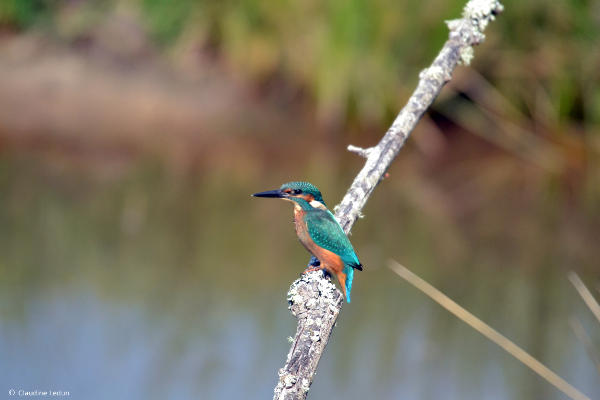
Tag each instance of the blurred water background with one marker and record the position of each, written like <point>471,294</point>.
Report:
<point>135,265</point>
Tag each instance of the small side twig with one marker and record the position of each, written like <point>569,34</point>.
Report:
<point>360,151</point>
<point>316,317</point>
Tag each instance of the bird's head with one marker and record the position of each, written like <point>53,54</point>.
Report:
<point>303,194</point>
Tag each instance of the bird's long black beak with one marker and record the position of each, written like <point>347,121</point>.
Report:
<point>270,193</point>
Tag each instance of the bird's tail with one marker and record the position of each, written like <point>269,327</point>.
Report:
<point>349,271</point>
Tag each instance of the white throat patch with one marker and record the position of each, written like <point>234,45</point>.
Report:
<point>317,204</point>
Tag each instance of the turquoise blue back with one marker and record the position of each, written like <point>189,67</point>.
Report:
<point>325,231</point>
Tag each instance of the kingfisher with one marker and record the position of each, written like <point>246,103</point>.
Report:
<point>319,232</point>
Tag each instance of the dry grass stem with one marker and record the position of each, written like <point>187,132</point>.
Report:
<point>488,332</point>
<point>585,294</point>
<point>583,337</point>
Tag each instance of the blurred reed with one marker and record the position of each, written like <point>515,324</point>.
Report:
<point>489,332</point>
<point>585,294</point>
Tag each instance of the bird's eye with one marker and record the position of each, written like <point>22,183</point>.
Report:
<point>297,191</point>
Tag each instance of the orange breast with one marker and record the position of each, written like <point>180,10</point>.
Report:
<point>329,260</point>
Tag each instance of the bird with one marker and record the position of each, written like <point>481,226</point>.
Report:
<point>319,232</point>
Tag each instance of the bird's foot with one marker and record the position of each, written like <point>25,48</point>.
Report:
<point>311,269</point>
<point>314,262</point>
<point>313,265</point>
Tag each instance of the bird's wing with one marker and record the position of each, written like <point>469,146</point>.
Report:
<point>326,232</point>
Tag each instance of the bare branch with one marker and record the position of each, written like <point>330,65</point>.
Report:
<point>297,374</point>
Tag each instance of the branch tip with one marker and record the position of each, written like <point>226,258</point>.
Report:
<point>481,12</point>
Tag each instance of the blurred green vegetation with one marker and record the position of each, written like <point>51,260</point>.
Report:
<point>358,60</point>
<point>21,14</point>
